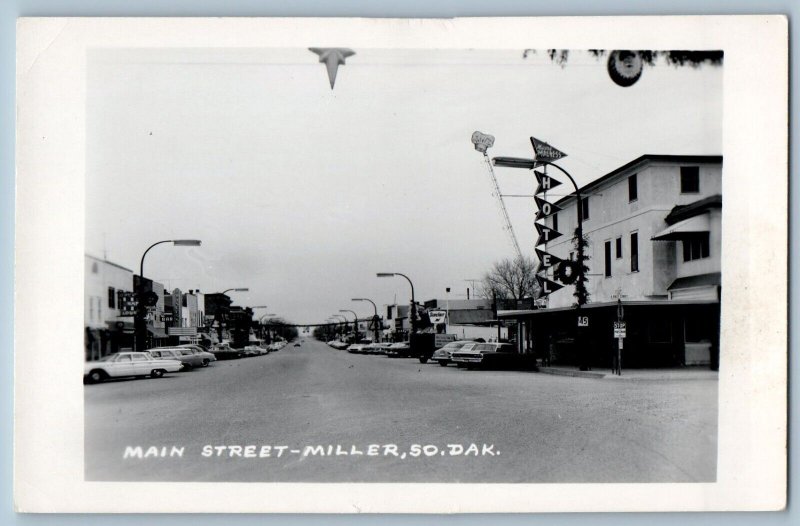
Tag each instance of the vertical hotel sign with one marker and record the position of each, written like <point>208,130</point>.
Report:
<point>545,153</point>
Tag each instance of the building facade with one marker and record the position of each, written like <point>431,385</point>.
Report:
<point>653,228</point>
<point>106,330</point>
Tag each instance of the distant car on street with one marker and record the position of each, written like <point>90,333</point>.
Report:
<point>357,348</point>
<point>224,351</point>
<point>185,356</point>
<point>124,364</point>
<point>399,350</point>
<point>485,355</point>
<point>297,345</point>
<point>253,350</point>
<point>444,354</point>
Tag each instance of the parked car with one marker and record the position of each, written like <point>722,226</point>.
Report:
<point>252,350</point>
<point>399,350</point>
<point>123,364</point>
<point>199,350</point>
<point>444,354</point>
<point>500,355</point>
<point>223,351</point>
<point>357,348</point>
<point>372,348</point>
<point>189,360</point>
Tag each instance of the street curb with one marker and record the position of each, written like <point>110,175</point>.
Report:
<point>565,372</point>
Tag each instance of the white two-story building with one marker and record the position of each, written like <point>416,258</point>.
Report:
<point>653,228</point>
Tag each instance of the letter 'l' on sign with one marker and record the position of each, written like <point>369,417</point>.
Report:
<point>546,234</point>
<point>546,286</point>
<point>545,182</point>
<point>545,209</point>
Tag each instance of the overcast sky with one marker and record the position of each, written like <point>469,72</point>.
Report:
<point>302,193</point>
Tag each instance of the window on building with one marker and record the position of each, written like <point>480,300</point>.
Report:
<point>585,208</point>
<point>633,190</point>
<point>619,248</point>
<point>112,298</point>
<point>634,252</point>
<point>696,247</point>
<point>608,259</point>
<point>555,221</point>
<point>94,268</point>
<point>690,179</point>
<point>572,256</point>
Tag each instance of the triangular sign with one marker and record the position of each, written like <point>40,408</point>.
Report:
<point>546,234</point>
<point>547,260</point>
<point>545,152</point>
<point>545,209</point>
<point>546,286</point>
<point>545,182</point>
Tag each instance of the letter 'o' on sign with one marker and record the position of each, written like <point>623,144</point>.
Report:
<point>545,209</point>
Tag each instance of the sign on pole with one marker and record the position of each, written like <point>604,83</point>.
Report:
<point>547,286</point>
<point>545,182</point>
<point>545,152</point>
<point>545,209</point>
<point>546,234</point>
<point>482,141</point>
<point>547,260</point>
<point>619,329</point>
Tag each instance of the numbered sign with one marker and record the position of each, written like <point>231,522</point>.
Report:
<point>583,321</point>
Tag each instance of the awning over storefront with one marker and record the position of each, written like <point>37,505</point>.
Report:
<point>701,286</point>
<point>157,332</point>
<point>120,325</point>
<point>684,229</point>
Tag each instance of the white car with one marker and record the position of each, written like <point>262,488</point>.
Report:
<point>124,364</point>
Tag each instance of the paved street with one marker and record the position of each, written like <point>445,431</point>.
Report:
<point>527,427</point>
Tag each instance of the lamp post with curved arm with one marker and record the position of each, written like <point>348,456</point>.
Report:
<point>375,319</point>
<point>355,322</point>
<point>413,313</point>
<point>344,321</point>
<point>140,321</point>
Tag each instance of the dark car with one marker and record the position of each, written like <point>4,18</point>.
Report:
<point>490,355</point>
<point>399,350</point>
<point>223,351</point>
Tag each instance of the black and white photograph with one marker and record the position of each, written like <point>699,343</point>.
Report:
<point>349,263</point>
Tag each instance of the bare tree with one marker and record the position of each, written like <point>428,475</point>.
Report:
<point>510,279</point>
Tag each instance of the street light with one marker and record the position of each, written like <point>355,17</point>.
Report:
<point>375,318</point>
<point>355,321</point>
<point>413,302</point>
<point>243,289</point>
<point>336,316</point>
<point>140,323</point>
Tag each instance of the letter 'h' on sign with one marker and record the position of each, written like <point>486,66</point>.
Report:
<point>545,182</point>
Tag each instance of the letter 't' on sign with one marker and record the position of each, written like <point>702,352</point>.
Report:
<point>546,286</point>
<point>544,152</point>
<point>547,260</point>
<point>545,182</point>
<point>546,234</point>
<point>545,209</point>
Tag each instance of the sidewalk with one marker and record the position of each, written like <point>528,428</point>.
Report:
<point>678,373</point>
